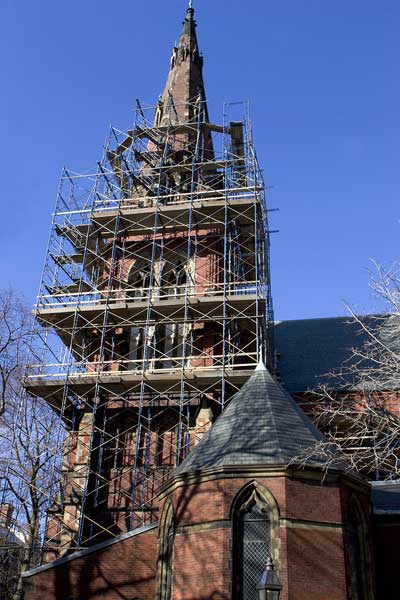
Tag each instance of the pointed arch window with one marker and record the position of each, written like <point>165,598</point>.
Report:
<point>136,346</point>
<point>174,280</point>
<point>358,562</point>
<point>180,275</point>
<point>165,553</point>
<point>251,543</point>
<point>139,282</point>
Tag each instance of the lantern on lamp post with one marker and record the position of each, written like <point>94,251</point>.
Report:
<point>269,587</point>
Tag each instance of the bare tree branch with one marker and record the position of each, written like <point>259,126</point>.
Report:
<point>14,334</point>
<point>30,450</point>
<point>362,424</point>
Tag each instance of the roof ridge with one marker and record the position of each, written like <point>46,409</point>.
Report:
<point>272,416</point>
<point>349,316</point>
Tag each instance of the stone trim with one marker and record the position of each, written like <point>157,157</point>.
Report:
<point>87,551</point>
<point>203,527</point>
<point>254,471</point>
<point>164,561</point>
<point>311,525</point>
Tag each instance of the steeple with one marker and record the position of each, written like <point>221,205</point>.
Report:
<point>189,24</point>
<point>185,85</point>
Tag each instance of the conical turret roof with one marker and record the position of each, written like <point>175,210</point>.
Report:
<point>262,425</point>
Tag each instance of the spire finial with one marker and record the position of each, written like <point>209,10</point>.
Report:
<point>190,3</point>
<point>261,366</point>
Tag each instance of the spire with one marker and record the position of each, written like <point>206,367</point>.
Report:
<point>262,425</point>
<point>185,79</point>
<point>189,24</point>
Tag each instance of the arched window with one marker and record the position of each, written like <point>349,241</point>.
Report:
<point>136,346</point>
<point>173,280</point>
<point>358,563</point>
<point>138,281</point>
<point>169,342</point>
<point>142,344</point>
<point>180,275</point>
<point>254,518</point>
<point>169,345</point>
<point>165,553</point>
<point>253,549</point>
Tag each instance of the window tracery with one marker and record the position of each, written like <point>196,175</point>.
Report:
<point>255,537</point>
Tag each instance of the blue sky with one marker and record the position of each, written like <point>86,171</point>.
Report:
<point>322,79</point>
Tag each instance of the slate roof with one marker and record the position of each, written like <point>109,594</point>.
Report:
<point>310,349</point>
<point>386,497</point>
<point>262,425</point>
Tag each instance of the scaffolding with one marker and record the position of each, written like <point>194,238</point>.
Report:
<point>154,308</point>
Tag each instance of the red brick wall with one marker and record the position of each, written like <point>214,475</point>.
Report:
<point>123,570</point>
<point>316,567</point>
<point>202,565</point>
<point>312,501</point>
<point>312,560</point>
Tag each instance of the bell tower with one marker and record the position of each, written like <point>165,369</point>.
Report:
<point>155,304</point>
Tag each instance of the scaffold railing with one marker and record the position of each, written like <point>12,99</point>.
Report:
<point>154,308</point>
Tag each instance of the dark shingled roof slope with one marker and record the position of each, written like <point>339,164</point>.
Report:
<point>386,497</point>
<point>261,426</point>
<point>311,349</point>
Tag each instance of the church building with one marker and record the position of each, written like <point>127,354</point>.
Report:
<point>178,395</point>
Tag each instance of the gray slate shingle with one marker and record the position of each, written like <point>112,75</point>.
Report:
<point>262,425</point>
<point>311,349</point>
<point>386,497</point>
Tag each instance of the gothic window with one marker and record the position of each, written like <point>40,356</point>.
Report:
<point>136,346</point>
<point>142,345</point>
<point>174,280</point>
<point>357,553</point>
<point>169,345</point>
<point>251,544</point>
<point>170,335</point>
<point>180,276</point>
<point>138,282</point>
<point>165,553</point>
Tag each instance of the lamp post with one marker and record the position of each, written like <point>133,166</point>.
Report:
<point>269,587</point>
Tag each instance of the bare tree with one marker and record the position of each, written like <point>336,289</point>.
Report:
<point>14,334</point>
<point>363,424</point>
<point>28,439</point>
<point>29,451</point>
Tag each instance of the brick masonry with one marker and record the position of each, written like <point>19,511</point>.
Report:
<point>310,550</point>
<point>121,570</point>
